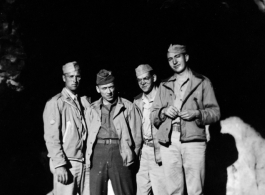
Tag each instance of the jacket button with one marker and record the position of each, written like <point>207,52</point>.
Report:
<point>166,129</point>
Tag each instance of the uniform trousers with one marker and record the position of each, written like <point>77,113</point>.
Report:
<point>150,177</point>
<point>184,160</point>
<point>107,164</point>
<point>78,183</point>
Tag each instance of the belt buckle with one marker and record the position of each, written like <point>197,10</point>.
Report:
<point>148,143</point>
<point>109,141</point>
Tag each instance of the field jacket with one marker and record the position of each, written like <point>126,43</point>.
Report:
<point>127,123</point>
<point>64,128</point>
<point>138,101</point>
<point>199,95</point>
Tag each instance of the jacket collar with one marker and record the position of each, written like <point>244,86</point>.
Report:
<point>154,90</point>
<point>195,80</point>
<point>138,100</point>
<point>73,96</point>
<point>169,83</point>
<point>68,99</point>
<point>97,106</point>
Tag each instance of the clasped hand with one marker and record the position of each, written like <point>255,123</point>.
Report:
<point>173,113</point>
<point>189,114</point>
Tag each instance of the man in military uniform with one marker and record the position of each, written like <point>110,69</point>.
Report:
<point>65,133</point>
<point>150,177</point>
<point>185,103</point>
<point>114,140</point>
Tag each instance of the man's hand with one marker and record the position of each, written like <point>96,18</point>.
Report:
<point>170,111</point>
<point>62,174</point>
<point>189,114</point>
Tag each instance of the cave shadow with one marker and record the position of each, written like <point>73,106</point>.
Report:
<point>27,174</point>
<point>221,153</point>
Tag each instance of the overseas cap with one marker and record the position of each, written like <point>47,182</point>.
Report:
<point>70,67</point>
<point>143,68</point>
<point>177,49</point>
<point>104,77</point>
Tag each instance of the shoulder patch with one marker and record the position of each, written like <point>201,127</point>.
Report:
<point>52,122</point>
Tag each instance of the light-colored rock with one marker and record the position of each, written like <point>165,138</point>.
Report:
<point>247,175</point>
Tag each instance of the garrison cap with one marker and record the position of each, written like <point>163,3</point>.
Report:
<point>104,77</point>
<point>70,67</point>
<point>142,69</point>
<point>178,49</point>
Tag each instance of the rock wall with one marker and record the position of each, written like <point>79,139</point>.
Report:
<point>247,175</point>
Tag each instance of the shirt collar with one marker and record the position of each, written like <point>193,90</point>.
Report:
<point>145,99</point>
<point>73,96</point>
<point>184,77</point>
<point>113,104</point>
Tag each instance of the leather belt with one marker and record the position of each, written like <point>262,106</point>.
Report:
<point>149,143</point>
<point>176,128</point>
<point>108,141</point>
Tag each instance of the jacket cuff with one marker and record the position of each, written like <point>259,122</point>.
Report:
<point>57,166</point>
<point>58,162</point>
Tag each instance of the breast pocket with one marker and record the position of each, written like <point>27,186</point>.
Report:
<point>104,119</point>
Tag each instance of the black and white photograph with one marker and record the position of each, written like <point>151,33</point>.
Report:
<point>132,97</point>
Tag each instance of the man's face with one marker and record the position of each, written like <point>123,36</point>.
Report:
<point>72,80</point>
<point>177,62</point>
<point>146,82</point>
<point>107,92</point>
